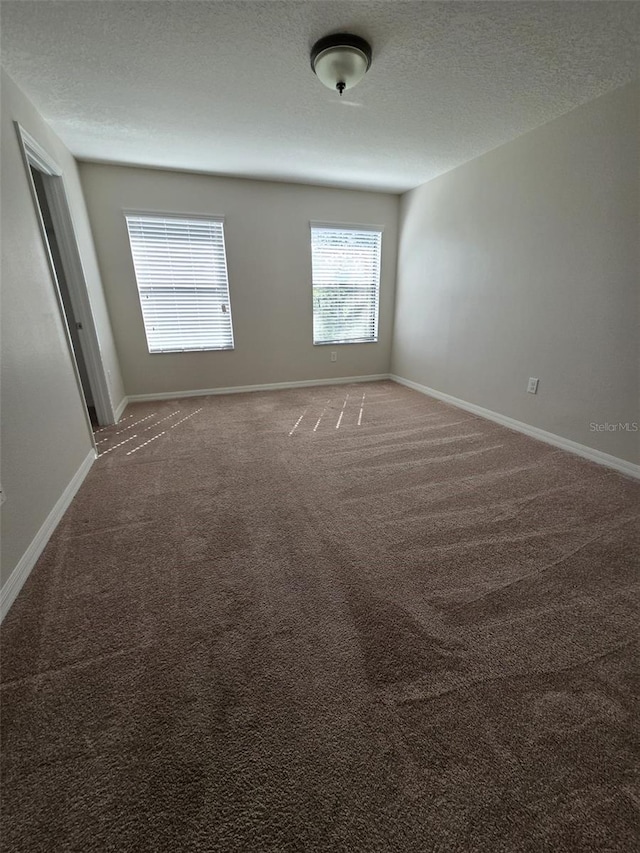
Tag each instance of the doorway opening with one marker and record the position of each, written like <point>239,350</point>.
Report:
<point>68,279</point>
<point>73,324</point>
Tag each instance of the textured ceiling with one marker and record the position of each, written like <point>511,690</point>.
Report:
<point>226,87</point>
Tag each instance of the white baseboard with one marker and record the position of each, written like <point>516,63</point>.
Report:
<point>119,411</point>
<point>242,389</point>
<point>18,576</point>
<point>621,465</point>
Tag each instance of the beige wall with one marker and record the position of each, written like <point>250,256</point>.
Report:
<point>44,430</point>
<point>268,253</point>
<point>524,262</point>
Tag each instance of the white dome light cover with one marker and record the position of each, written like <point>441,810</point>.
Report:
<point>341,60</point>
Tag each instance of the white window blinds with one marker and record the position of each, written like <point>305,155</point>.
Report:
<point>346,284</point>
<point>181,272</point>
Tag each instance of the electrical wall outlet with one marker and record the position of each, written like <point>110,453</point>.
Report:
<point>334,355</point>
<point>532,387</point>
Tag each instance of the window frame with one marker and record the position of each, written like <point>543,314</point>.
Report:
<point>347,226</point>
<point>179,215</point>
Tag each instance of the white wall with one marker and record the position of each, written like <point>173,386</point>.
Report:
<point>268,254</point>
<point>45,437</point>
<point>524,262</point>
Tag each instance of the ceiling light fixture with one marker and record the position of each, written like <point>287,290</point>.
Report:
<point>340,61</point>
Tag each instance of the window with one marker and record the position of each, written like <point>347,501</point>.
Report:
<point>181,272</point>
<point>346,283</point>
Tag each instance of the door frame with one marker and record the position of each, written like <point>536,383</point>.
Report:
<point>33,154</point>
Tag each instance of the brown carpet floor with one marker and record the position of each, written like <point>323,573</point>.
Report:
<point>307,621</point>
